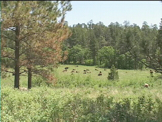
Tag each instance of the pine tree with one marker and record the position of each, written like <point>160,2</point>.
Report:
<point>113,75</point>
<point>35,36</point>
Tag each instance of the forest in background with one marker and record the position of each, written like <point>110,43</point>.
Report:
<point>124,45</point>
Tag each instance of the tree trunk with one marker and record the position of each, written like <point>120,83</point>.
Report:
<point>29,78</point>
<point>135,65</point>
<point>17,68</point>
<point>100,62</point>
<point>94,60</point>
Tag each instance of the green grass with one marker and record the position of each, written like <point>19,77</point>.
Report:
<point>131,82</point>
<point>124,75</point>
<point>74,97</point>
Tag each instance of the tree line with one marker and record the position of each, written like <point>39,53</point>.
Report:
<point>124,45</point>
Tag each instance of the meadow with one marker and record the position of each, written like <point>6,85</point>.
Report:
<point>82,97</point>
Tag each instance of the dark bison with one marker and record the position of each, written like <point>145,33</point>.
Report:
<point>66,68</point>
<point>100,73</point>
<point>151,73</point>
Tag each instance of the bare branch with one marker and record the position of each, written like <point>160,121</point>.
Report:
<point>156,69</point>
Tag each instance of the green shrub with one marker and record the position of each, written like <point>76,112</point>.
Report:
<point>47,105</point>
<point>113,75</point>
<point>89,62</point>
<point>38,81</point>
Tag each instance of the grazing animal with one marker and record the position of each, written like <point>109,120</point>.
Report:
<point>77,66</point>
<point>72,71</point>
<point>88,72</point>
<point>100,73</point>
<point>77,71</point>
<point>66,67</point>
<point>146,85</point>
<point>151,73</point>
<point>96,69</point>
<point>84,72</point>
<point>64,70</point>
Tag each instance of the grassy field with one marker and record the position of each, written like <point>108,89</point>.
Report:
<point>85,97</point>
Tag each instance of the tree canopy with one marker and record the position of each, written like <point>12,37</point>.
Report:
<point>32,36</point>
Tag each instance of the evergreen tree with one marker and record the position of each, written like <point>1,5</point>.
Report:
<point>113,75</point>
<point>35,36</point>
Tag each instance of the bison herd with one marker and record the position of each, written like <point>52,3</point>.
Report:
<point>86,71</point>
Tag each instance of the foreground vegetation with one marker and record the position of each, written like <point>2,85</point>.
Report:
<point>85,97</point>
<point>55,105</point>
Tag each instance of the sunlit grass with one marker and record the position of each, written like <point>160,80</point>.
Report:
<point>130,83</point>
<point>75,96</point>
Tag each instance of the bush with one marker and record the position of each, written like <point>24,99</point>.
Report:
<point>48,105</point>
<point>89,62</point>
<point>38,81</point>
<point>113,75</point>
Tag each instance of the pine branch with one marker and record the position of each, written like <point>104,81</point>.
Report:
<point>7,71</point>
<point>9,47</point>
<point>23,72</point>
<point>154,60</point>
<point>6,36</point>
<point>6,56</point>
<point>143,62</point>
